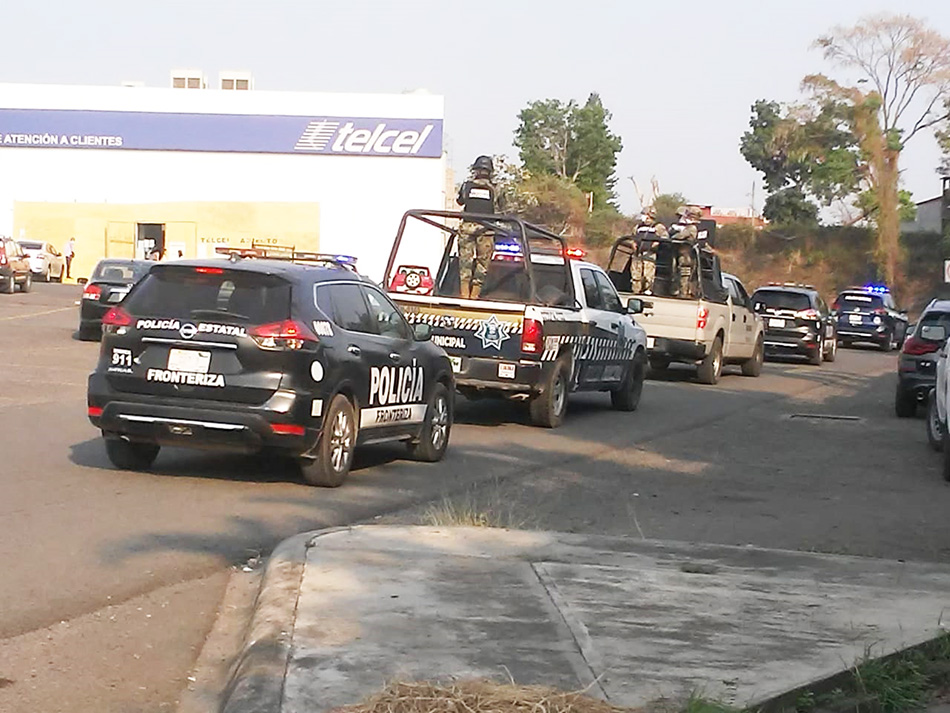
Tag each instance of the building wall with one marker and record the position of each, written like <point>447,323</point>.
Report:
<point>110,229</point>
<point>928,218</point>
<point>360,197</point>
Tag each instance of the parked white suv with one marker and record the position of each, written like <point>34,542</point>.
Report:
<point>937,408</point>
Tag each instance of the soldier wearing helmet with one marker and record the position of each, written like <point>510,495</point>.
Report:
<point>477,195</point>
<point>686,228</point>
<point>643,264</point>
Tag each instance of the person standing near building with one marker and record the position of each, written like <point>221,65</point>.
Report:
<point>69,252</point>
<point>477,195</point>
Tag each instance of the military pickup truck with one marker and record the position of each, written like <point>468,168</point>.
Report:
<point>545,324</point>
<point>711,324</point>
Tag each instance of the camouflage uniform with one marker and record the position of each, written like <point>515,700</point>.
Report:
<point>686,228</point>
<point>643,264</point>
<point>475,242</point>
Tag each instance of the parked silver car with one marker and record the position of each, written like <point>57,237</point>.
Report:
<point>46,262</point>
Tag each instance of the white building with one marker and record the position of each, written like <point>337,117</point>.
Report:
<point>126,168</point>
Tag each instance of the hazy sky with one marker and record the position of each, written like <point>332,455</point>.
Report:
<point>679,77</point>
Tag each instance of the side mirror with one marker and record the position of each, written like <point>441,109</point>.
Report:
<point>933,332</point>
<point>635,305</point>
<point>82,280</point>
<point>422,332</point>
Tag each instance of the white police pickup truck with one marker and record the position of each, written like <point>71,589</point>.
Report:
<point>545,324</point>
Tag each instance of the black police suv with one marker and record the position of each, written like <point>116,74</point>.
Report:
<point>249,355</point>
<point>868,314</point>
<point>108,285</point>
<point>917,363</point>
<point>797,322</point>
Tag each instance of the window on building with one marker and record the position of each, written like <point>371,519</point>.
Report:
<point>227,84</point>
<point>178,83</point>
<point>241,84</point>
<point>194,83</point>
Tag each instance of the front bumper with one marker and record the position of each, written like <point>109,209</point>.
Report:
<point>499,375</point>
<point>680,350</point>
<point>232,427</point>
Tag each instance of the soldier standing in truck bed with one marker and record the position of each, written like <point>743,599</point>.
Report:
<point>643,265</point>
<point>686,228</point>
<point>476,243</point>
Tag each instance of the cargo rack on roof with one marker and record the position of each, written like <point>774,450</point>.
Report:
<point>288,253</point>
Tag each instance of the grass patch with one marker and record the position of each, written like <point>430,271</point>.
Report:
<point>477,508</point>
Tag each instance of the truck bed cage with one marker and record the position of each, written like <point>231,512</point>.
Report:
<point>288,253</point>
<point>513,227</point>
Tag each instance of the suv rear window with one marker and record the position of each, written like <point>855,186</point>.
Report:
<point>859,302</point>
<point>780,299</point>
<point>120,270</point>
<point>230,295</point>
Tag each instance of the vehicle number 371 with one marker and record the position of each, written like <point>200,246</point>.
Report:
<point>121,357</point>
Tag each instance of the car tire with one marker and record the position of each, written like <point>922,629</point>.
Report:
<point>946,459</point>
<point>753,366</point>
<point>627,396</point>
<point>710,368</point>
<point>831,354</point>
<point>815,359</point>
<point>48,275</point>
<point>331,460</point>
<point>905,403</point>
<point>936,433</point>
<point>434,437</point>
<point>89,334</point>
<point>62,274</point>
<point>9,285</point>
<point>888,343</point>
<point>27,283</point>
<point>129,455</point>
<point>549,407</point>
<point>659,365</point>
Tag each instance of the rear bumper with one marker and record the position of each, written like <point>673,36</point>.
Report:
<point>804,343</point>
<point>870,333</point>
<point>237,428</point>
<point>676,350</point>
<point>499,375</point>
<point>918,384</point>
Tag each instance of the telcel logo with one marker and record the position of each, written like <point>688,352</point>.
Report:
<point>349,139</point>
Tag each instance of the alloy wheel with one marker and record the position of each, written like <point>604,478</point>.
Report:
<point>439,423</point>
<point>341,442</point>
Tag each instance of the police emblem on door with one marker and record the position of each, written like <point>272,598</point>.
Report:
<point>492,332</point>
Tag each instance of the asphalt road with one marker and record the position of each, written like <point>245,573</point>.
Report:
<point>112,580</point>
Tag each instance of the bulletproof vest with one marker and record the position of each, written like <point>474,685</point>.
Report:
<point>478,196</point>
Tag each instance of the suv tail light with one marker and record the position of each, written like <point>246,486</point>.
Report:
<point>808,314</point>
<point>880,310</point>
<point>702,317</point>
<point>3,253</point>
<point>532,337</point>
<point>91,292</point>
<point>282,335</point>
<point>915,346</point>
<point>115,318</point>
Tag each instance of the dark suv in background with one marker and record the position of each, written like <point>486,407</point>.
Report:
<point>917,365</point>
<point>868,314</point>
<point>797,322</point>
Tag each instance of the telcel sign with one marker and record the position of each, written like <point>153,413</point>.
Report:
<point>245,133</point>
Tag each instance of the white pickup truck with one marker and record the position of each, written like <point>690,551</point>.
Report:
<point>712,326</point>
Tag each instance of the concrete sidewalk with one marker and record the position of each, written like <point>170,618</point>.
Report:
<point>342,612</point>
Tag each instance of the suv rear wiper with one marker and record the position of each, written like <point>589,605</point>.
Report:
<point>219,313</point>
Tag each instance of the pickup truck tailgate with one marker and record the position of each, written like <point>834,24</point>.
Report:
<point>468,328</point>
<point>669,318</point>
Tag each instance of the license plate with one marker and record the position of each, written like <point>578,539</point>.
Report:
<point>855,319</point>
<point>506,371</point>
<point>776,322</point>
<point>456,362</point>
<point>117,296</point>
<point>188,360</point>
<point>651,341</point>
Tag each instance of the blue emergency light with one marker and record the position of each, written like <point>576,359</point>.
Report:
<point>345,259</point>
<point>877,289</point>
<point>508,248</point>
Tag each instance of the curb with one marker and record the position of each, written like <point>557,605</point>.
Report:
<point>256,683</point>
<point>843,680</point>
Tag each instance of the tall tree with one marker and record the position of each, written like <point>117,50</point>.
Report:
<point>571,142</point>
<point>904,76</point>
